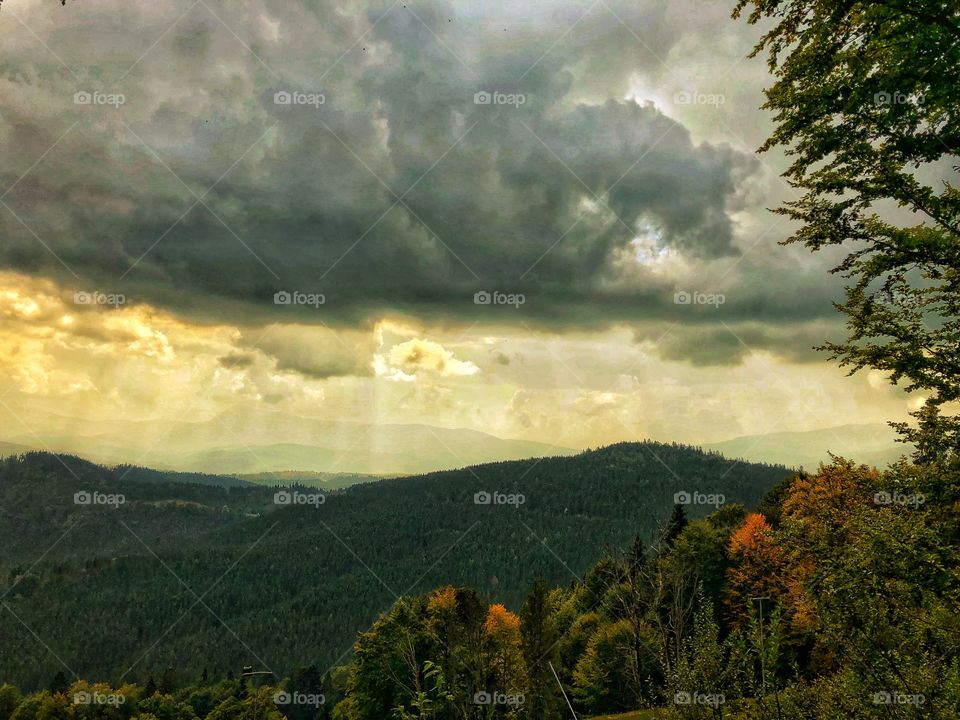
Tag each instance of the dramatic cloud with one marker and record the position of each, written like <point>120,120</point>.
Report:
<point>385,183</point>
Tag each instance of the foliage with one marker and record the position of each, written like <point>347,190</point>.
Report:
<point>867,105</point>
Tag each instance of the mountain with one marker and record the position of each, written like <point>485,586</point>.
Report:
<point>198,576</point>
<point>7,448</point>
<point>265,442</point>
<point>870,444</point>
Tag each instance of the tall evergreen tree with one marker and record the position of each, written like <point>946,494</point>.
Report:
<point>538,641</point>
<point>59,684</point>
<point>675,525</point>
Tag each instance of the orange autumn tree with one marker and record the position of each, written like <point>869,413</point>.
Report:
<point>502,637</point>
<point>817,521</point>
<point>758,564</point>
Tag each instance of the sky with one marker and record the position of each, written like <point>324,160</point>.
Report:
<point>541,220</point>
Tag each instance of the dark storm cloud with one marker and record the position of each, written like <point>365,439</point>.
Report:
<point>392,190</point>
<point>730,343</point>
<point>487,189</point>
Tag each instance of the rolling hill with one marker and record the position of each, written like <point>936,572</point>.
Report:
<point>195,576</point>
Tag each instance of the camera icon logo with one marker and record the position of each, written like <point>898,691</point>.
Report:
<point>82,698</point>
<point>82,298</point>
<point>282,698</point>
<point>482,98</point>
<point>682,698</point>
<point>682,298</point>
<point>282,498</point>
<point>682,98</point>
<point>82,98</point>
<point>681,498</point>
<point>282,97</point>
<point>482,698</point>
<point>482,498</point>
<point>882,498</point>
<point>282,298</point>
<point>882,98</point>
<point>482,298</point>
<point>82,498</point>
<point>882,697</point>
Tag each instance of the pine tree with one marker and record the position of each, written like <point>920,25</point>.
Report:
<point>675,525</point>
<point>538,641</point>
<point>168,682</point>
<point>59,683</point>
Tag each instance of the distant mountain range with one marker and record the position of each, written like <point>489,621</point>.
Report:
<point>275,442</point>
<point>869,444</point>
<point>272,448</point>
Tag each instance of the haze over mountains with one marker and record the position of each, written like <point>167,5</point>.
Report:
<point>870,444</point>
<point>277,448</point>
<point>267,442</point>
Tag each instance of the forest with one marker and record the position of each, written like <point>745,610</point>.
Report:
<point>834,597</point>
<point>199,576</point>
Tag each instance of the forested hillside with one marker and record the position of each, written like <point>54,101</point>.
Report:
<point>807,608</point>
<point>204,577</point>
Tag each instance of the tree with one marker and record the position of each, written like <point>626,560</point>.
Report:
<point>867,94</point>
<point>757,570</point>
<point>59,683</point>
<point>675,525</point>
<point>9,700</point>
<point>168,682</point>
<point>700,667</point>
<point>538,641</point>
<point>502,632</point>
<point>602,680</point>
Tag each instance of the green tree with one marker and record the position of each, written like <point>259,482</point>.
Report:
<point>9,700</point>
<point>675,525</point>
<point>603,682</point>
<point>539,645</point>
<point>867,105</point>
<point>168,682</point>
<point>59,683</point>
